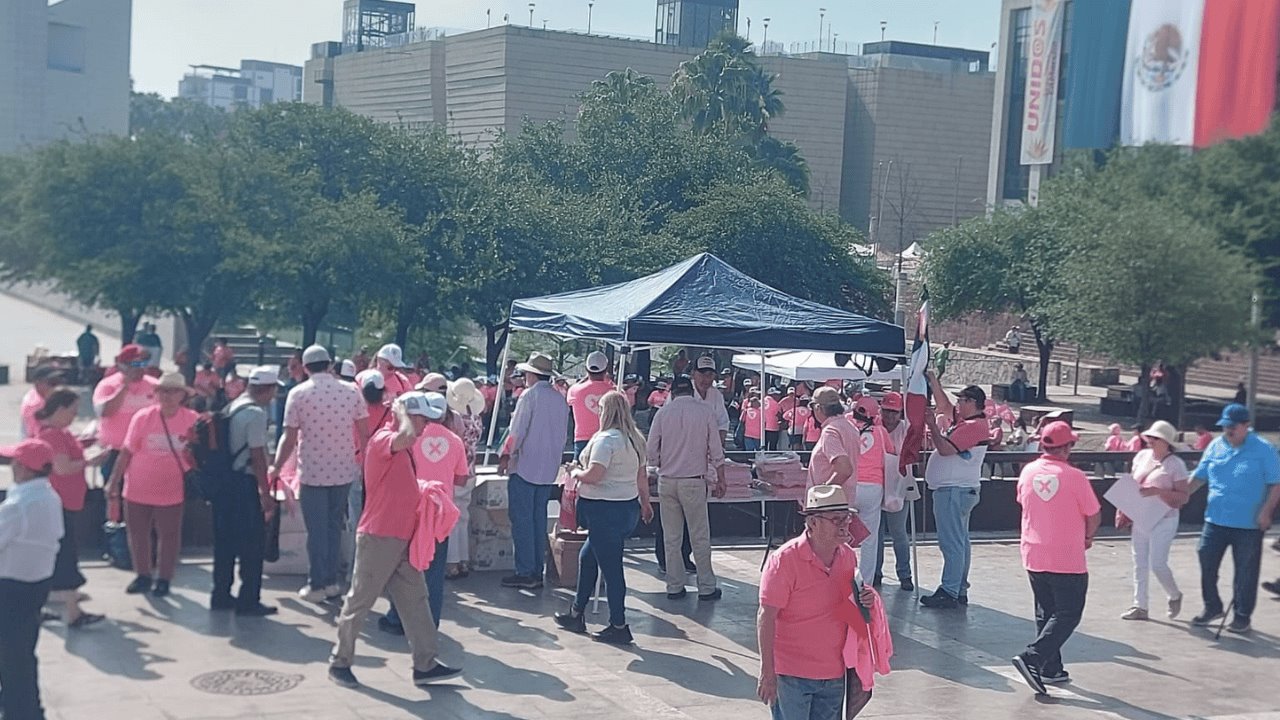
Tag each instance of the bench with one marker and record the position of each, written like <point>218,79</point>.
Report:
<point>1000,392</point>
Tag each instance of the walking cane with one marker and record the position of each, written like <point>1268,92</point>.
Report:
<point>1225,615</point>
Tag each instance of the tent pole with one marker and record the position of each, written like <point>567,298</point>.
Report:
<point>502,399</point>
<point>762,397</point>
<point>622,369</point>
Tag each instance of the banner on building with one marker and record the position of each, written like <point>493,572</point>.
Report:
<point>1162,65</point>
<point>1044,51</point>
<point>1095,74</point>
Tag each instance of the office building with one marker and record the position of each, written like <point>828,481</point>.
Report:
<point>916,140</point>
<point>64,70</point>
<point>254,84</point>
<point>694,23</point>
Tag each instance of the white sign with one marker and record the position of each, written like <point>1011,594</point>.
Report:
<point>1040,107</point>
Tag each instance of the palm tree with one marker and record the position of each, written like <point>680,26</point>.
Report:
<point>724,89</point>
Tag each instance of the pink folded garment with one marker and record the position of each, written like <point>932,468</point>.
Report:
<point>437,514</point>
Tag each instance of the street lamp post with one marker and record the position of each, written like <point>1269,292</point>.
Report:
<point>935,31</point>
<point>531,7</point>
<point>590,5</point>
<point>764,45</point>
<point>822,16</point>
<point>883,25</point>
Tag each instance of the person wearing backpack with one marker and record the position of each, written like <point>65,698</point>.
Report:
<point>243,502</point>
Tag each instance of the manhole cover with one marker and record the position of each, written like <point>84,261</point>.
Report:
<point>245,682</point>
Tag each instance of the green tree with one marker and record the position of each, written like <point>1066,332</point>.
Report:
<point>725,90</point>
<point>1010,262</point>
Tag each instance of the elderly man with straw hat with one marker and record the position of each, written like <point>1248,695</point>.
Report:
<point>822,634</point>
<point>531,456</point>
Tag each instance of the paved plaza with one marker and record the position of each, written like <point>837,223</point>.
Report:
<point>690,660</point>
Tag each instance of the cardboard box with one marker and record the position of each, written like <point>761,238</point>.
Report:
<point>564,548</point>
<point>491,547</point>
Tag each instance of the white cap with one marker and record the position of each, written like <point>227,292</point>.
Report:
<point>597,362</point>
<point>315,354</point>
<point>432,406</point>
<point>264,375</point>
<point>348,369</point>
<point>370,377</point>
<point>392,354</point>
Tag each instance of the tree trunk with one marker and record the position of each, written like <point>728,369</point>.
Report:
<point>404,323</point>
<point>129,318</point>
<point>495,339</point>
<point>1045,347</point>
<point>198,328</point>
<point>312,315</point>
<point>1175,381</point>
<point>1143,394</point>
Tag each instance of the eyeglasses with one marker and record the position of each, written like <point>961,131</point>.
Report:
<point>836,519</point>
<point>138,364</point>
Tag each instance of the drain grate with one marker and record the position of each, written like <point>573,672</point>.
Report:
<point>245,682</point>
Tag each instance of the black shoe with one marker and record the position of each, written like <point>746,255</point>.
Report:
<point>140,585</point>
<point>85,620</point>
<point>439,672</point>
<point>256,610</point>
<point>614,635</point>
<point>1272,586</point>
<point>906,585</point>
<point>713,595</point>
<point>939,600</point>
<point>1207,618</point>
<point>389,627</point>
<point>571,621</point>
<point>678,595</point>
<point>523,582</point>
<point>161,589</point>
<point>1060,677</point>
<point>963,599</point>
<point>1030,674</point>
<point>344,677</point>
<point>45,617</point>
<point>1239,625</point>
<point>222,602</point>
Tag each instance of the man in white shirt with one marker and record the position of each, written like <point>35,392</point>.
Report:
<point>30,528</point>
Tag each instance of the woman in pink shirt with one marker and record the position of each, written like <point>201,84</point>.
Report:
<point>151,464</point>
<point>1135,443</point>
<point>750,417</point>
<point>1115,442</point>
<point>1160,474</point>
<point>55,416</point>
<point>772,419</point>
<point>873,444</point>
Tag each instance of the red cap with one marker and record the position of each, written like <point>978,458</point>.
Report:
<point>131,353</point>
<point>866,406</point>
<point>892,401</point>
<point>31,453</point>
<point>1057,434</point>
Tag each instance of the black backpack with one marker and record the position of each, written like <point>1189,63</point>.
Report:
<point>211,451</point>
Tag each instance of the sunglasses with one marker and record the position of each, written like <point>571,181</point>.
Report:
<point>138,364</point>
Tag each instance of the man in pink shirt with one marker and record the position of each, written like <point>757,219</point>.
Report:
<point>119,397</point>
<point>584,400</point>
<point>772,419</point>
<point>801,634</point>
<point>390,361</point>
<point>1060,514</point>
<point>43,380</point>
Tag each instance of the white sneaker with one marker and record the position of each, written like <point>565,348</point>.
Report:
<point>310,594</point>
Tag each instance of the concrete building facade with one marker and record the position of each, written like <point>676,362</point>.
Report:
<point>916,140</point>
<point>481,83</point>
<point>64,70</point>
<point>254,84</point>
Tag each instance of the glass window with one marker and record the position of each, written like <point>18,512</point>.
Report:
<point>1015,173</point>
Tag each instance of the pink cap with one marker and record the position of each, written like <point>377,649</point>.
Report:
<point>892,401</point>
<point>31,453</point>
<point>866,406</point>
<point>1057,434</point>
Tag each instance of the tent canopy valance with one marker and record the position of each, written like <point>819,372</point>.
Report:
<point>821,366</point>
<point>705,302</point>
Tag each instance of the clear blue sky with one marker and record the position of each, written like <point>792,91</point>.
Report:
<point>169,35</point>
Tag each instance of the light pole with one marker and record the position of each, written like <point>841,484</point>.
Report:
<point>544,23</point>
<point>487,18</point>
<point>531,7</point>
<point>883,25</point>
<point>764,45</point>
<point>590,5</point>
<point>935,31</point>
<point>822,16</point>
<point>834,38</point>
<point>748,28</point>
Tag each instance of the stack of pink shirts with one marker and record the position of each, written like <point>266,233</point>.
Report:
<point>737,480</point>
<point>782,470</point>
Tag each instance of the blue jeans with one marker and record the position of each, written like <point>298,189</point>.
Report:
<point>750,444</point>
<point>951,509</point>
<point>896,523</point>
<point>801,699</point>
<point>609,523</point>
<point>578,447</point>
<point>434,576</point>
<point>527,508</point>
<point>324,512</point>
<point>1246,556</point>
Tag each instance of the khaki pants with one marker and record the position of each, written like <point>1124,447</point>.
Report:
<point>382,563</point>
<point>684,501</point>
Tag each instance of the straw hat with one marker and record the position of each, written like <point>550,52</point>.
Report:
<point>825,498</point>
<point>173,381</point>
<point>465,398</point>
<point>538,364</point>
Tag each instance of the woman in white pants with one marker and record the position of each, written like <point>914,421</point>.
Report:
<point>1160,474</point>
<point>873,443</point>
<point>466,403</point>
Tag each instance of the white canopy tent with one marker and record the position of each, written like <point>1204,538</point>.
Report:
<point>817,366</point>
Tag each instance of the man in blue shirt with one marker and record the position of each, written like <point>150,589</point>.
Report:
<point>1243,474</point>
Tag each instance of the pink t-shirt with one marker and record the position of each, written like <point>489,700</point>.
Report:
<point>1135,444</point>
<point>140,394</point>
<point>154,475</point>
<point>838,438</point>
<point>390,489</point>
<point>873,443</point>
<point>812,429</point>
<point>438,454</point>
<point>396,384</point>
<point>1202,440</point>
<point>584,400</point>
<point>798,420</point>
<point>771,413</point>
<point>1056,500</point>
<point>1152,473</point>
<point>31,402</point>
<point>71,487</point>
<point>1115,443</point>
<point>750,417</point>
<point>808,637</point>
<point>658,398</point>
<point>223,356</point>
